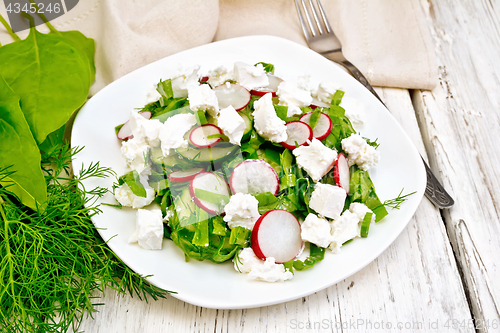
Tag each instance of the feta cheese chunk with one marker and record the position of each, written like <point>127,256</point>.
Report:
<point>149,229</point>
<point>268,270</point>
<point>360,210</point>
<point>232,124</point>
<point>219,75</point>
<point>325,91</point>
<point>145,130</point>
<point>316,230</point>
<point>246,260</point>
<point>294,95</point>
<point>328,200</point>
<point>316,158</point>
<point>152,95</point>
<point>203,98</point>
<point>249,76</point>
<point>242,210</point>
<point>360,152</point>
<point>185,79</point>
<point>266,122</point>
<point>344,228</point>
<point>173,131</point>
<point>127,198</point>
<point>135,151</point>
<point>354,110</point>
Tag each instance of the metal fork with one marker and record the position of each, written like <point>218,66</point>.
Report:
<point>321,38</point>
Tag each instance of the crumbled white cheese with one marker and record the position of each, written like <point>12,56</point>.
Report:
<point>245,260</point>
<point>325,92</point>
<point>127,198</point>
<point>328,200</point>
<point>354,110</point>
<point>360,210</point>
<point>173,131</point>
<point>266,122</point>
<point>152,95</point>
<point>316,158</point>
<point>344,228</point>
<point>149,229</point>
<point>135,151</point>
<point>268,270</point>
<point>249,76</point>
<point>185,79</point>
<point>242,210</point>
<point>145,130</point>
<point>203,98</point>
<point>294,95</point>
<point>316,230</point>
<point>232,124</point>
<point>219,75</point>
<point>360,152</point>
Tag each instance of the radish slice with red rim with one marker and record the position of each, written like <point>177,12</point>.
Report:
<point>184,175</point>
<point>209,183</point>
<point>254,176</point>
<point>323,126</point>
<point>272,87</point>
<point>232,94</point>
<point>277,234</point>
<point>298,133</point>
<point>199,136</point>
<point>125,132</point>
<point>341,173</point>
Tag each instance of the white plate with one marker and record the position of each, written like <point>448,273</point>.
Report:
<point>220,286</point>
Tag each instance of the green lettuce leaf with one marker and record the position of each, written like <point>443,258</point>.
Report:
<point>19,152</point>
<point>51,76</point>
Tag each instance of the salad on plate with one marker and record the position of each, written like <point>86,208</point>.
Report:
<point>239,164</point>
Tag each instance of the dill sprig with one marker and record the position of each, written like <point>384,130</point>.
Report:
<point>53,263</point>
<point>397,201</point>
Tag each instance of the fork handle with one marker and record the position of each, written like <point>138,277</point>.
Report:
<point>433,190</point>
<point>360,77</point>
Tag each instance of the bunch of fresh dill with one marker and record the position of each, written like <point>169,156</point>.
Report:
<point>53,264</point>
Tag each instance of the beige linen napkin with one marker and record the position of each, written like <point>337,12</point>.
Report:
<point>386,39</point>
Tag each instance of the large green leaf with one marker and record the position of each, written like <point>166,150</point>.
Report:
<point>19,152</point>
<point>85,44</point>
<point>52,77</point>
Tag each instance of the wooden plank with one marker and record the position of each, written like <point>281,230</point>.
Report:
<point>460,123</point>
<point>414,283</point>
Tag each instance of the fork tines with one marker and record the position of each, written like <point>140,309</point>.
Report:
<point>321,27</point>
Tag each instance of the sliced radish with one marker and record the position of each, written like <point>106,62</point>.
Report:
<point>232,94</point>
<point>125,132</point>
<point>210,182</point>
<point>297,132</point>
<point>199,136</point>
<point>184,175</point>
<point>272,87</point>
<point>254,176</point>
<point>323,126</point>
<point>204,79</point>
<point>276,234</point>
<point>341,173</point>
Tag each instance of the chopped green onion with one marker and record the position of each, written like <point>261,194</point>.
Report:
<point>365,224</point>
